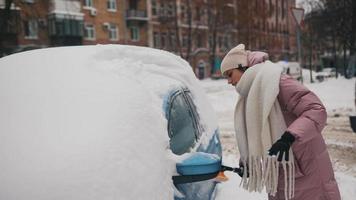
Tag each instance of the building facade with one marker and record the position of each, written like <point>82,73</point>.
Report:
<point>200,31</point>
<point>269,26</point>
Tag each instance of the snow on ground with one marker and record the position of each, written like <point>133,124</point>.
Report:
<point>336,94</point>
<point>338,97</point>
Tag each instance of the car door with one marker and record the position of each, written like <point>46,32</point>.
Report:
<point>185,129</point>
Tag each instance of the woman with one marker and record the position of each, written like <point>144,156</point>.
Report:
<point>278,124</point>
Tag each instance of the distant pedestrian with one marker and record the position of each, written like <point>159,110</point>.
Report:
<point>278,124</point>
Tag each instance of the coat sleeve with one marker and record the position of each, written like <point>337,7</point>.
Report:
<point>307,108</point>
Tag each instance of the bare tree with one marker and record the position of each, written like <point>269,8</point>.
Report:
<point>182,24</point>
<point>334,26</point>
<point>177,30</point>
<point>252,23</point>
<point>214,13</point>
<point>221,22</point>
<point>190,31</point>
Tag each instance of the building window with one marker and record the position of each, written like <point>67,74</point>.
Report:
<point>203,16</point>
<point>111,4</point>
<point>283,3</point>
<point>225,44</point>
<point>264,25</point>
<point>199,40</point>
<point>183,12</point>
<point>170,10</point>
<point>210,41</point>
<point>65,27</point>
<point>197,13</point>
<point>161,9</point>
<point>185,41</point>
<point>31,29</point>
<point>156,40</point>
<point>163,40</point>
<point>154,7</point>
<point>113,32</point>
<point>229,41</point>
<point>172,40</point>
<point>135,33</point>
<point>220,41</point>
<point>89,32</point>
<point>88,3</point>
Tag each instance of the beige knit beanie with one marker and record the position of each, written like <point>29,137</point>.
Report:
<point>235,57</point>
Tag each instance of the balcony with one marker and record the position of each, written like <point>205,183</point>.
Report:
<point>65,27</point>
<point>136,15</point>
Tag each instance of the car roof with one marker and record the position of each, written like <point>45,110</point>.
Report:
<point>87,121</point>
<point>85,69</point>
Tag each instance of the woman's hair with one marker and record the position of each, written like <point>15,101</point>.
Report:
<point>242,68</point>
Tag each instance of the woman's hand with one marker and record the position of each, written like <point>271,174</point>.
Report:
<point>282,146</point>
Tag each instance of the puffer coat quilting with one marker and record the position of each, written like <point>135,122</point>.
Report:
<point>305,117</point>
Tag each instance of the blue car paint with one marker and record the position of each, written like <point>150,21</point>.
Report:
<point>204,190</point>
<point>199,163</point>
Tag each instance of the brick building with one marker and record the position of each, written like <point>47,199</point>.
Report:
<point>262,25</point>
<point>26,26</point>
<point>268,25</point>
<point>184,32</point>
<point>113,21</point>
<point>43,23</point>
<point>200,31</point>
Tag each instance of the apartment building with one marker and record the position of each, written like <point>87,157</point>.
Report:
<point>115,22</point>
<point>42,23</point>
<point>268,26</point>
<point>25,26</point>
<point>181,27</point>
<point>200,31</point>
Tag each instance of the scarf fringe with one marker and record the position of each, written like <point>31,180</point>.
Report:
<point>263,172</point>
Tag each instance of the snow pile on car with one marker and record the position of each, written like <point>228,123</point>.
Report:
<point>81,123</point>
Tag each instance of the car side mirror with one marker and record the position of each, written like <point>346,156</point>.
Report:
<point>199,166</point>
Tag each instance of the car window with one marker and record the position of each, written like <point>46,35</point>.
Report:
<point>182,124</point>
<point>199,126</point>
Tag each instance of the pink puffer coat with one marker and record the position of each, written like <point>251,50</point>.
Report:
<point>305,117</point>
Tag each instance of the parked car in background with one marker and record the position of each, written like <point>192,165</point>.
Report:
<point>291,68</point>
<point>104,122</point>
<point>329,72</point>
<point>325,74</point>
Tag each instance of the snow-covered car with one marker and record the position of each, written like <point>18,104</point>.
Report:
<point>329,72</point>
<point>105,122</point>
<point>325,74</point>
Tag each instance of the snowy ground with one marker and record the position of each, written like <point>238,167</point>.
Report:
<point>338,97</point>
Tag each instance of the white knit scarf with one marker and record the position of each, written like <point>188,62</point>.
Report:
<point>259,123</point>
